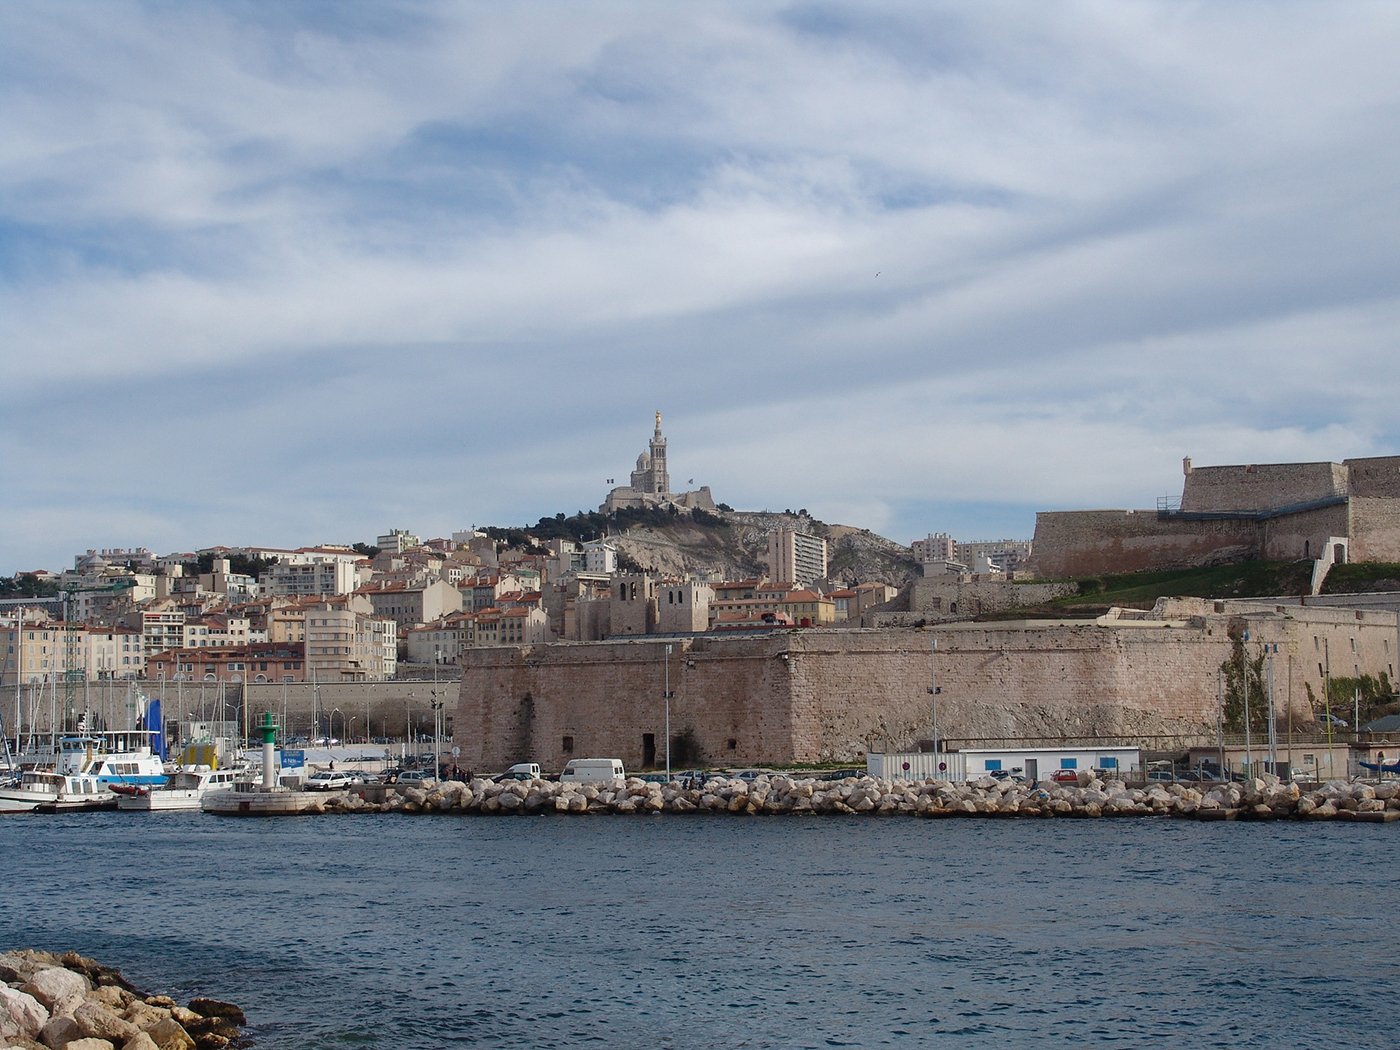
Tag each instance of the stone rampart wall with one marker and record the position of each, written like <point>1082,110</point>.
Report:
<point>1377,477</point>
<point>1375,529</point>
<point>833,695</point>
<point>1265,486</point>
<point>1304,535</point>
<point>951,597</point>
<point>1089,542</point>
<point>393,708</point>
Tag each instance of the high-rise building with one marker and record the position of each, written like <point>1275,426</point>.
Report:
<point>796,557</point>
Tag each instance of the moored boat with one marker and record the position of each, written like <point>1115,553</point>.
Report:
<point>44,791</point>
<point>183,790</point>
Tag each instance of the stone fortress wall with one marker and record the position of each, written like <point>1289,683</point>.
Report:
<point>832,696</point>
<point>1277,511</point>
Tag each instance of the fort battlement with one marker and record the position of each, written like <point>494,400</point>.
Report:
<point>1281,512</point>
<point>833,696</point>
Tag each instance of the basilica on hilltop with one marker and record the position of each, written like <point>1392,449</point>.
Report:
<point>650,483</point>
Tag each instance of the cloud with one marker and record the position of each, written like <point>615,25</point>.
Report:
<point>298,270</point>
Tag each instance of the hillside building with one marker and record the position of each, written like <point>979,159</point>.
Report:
<point>650,484</point>
<point>795,557</point>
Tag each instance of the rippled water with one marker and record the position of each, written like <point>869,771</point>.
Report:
<point>724,932</point>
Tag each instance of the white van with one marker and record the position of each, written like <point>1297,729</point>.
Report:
<point>592,770</point>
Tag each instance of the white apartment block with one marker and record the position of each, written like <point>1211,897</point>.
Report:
<point>796,558</point>
<point>342,645</point>
<point>939,546</point>
<point>306,579</point>
<point>396,541</point>
<point>599,557</point>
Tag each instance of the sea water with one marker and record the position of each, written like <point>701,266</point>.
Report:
<point>729,932</point>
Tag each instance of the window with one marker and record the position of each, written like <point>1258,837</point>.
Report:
<point>1069,763</point>
<point>991,765</point>
<point>1108,762</point>
<point>568,745</point>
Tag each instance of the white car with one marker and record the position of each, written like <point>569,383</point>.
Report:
<point>1326,720</point>
<point>330,780</point>
<point>415,778</point>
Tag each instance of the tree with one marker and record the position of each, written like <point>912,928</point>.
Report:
<point>27,585</point>
<point>1244,686</point>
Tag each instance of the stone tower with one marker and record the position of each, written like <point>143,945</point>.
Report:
<point>651,475</point>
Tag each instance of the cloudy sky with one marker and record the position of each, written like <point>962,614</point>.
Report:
<point>292,273</point>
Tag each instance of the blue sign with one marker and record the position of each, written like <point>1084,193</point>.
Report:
<point>293,759</point>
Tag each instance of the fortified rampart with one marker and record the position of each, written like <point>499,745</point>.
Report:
<point>394,709</point>
<point>1259,487</point>
<point>1276,511</point>
<point>1088,542</point>
<point>952,596</point>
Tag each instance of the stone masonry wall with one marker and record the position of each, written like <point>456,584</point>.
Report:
<point>1265,486</point>
<point>1304,535</point>
<point>817,696</point>
<point>952,597</point>
<point>1089,542</point>
<point>393,708</point>
<point>1377,477</point>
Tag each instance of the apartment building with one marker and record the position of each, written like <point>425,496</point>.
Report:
<point>410,605</point>
<point>255,662</point>
<point>319,577</point>
<point>343,645</point>
<point>796,558</point>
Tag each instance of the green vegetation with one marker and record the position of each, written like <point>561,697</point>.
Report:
<point>592,525</point>
<point>1360,577</point>
<point>237,563</point>
<point>26,585</point>
<point>1250,579</point>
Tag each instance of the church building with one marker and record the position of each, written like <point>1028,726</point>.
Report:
<point>650,484</point>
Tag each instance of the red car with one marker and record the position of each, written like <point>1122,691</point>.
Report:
<point>1065,776</point>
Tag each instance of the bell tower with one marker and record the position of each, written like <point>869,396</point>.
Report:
<point>660,478</point>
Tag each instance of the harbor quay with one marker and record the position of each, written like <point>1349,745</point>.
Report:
<point>1262,798</point>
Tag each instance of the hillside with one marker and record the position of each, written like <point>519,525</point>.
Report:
<point>737,548</point>
<point>729,545</point>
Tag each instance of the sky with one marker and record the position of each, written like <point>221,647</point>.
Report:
<point>283,274</point>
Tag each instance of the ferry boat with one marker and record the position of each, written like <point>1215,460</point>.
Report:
<point>45,791</point>
<point>184,790</point>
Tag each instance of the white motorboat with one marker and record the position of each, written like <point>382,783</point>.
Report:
<point>184,790</point>
<point>44,791</point>
<point>121,758</point>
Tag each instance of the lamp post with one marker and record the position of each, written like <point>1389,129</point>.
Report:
<point>330,732</point>
<point>933,691</point>
<point>666,695</point>
<point>1269,649</point>
<point>437,708</point>
<point>1248,757</point>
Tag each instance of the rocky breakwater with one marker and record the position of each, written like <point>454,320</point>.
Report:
<point>1263,798</point>
<point>69,1002</point>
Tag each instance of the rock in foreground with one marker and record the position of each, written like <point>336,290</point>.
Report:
<point>70,1002</point>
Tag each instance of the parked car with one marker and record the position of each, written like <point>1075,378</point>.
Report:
<point>1065,776</point>
<point>521,771</point>
<point>415,778</point>
<point>330,780</point>
<point>1325,720</point>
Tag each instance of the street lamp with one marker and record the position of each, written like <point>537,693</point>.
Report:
<point>1248,757</point>
<point>331,732</point>
<point>933,691</point>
